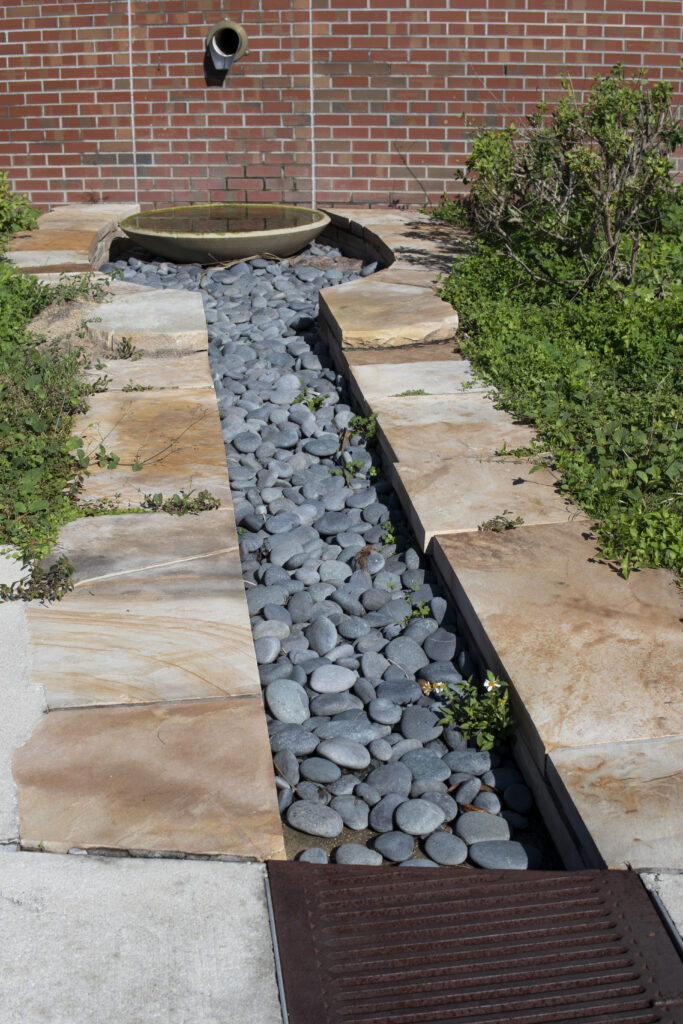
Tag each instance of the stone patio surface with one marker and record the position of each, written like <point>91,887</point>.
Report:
<point>596,663</point>
<point>157,614</point>
<point>174,436</point>
<point>140,690</point>
<point>135,718</point>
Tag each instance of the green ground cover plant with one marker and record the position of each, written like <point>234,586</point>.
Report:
<point>42,386</point>
<point>570,303</point>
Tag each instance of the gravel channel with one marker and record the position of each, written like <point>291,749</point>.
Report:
<point>349,624</point>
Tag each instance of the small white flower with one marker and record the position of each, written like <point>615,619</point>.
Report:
<point>490,686</point>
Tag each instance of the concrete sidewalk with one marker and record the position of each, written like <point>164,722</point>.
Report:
<point>108,940</point>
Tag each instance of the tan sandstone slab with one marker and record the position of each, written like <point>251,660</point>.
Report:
<point>158,613</point>
<point>376,314</point>
<point>443,427</point>
<point>458,495</point>
<point>594,658</point>
<point>54,239</point>
<point>155,374</point>
<point>438,351</point>
<point>194,778</point>
<point>82,216</point>
<point>57,260</point>
<point>174,435</point>
<point>155,321</point>
<point>629,796</point>
<point>435,377</point>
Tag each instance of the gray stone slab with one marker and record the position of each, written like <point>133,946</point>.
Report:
<point>22,702</point>
<point>97,940</point>
<point>157,322</point>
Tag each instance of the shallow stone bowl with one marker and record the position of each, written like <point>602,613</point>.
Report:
<point>199,234</point>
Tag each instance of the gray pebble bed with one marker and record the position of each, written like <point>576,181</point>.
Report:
<point>348,621</point>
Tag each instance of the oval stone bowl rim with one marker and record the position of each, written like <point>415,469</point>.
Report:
<point>238,239</point>
<point>322,219</point>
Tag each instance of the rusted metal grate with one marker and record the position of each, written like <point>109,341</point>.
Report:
<point>394,946</point>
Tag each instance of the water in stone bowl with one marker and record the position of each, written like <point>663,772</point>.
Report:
<point>215,232</point>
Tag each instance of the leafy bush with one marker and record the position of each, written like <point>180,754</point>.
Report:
<point>16,213</point>
<point>41,387</point>
<point>601,377</point>
<point>40,390</point>
<point>570,195</point>
<point>481,712</point>
<point>570,304</point>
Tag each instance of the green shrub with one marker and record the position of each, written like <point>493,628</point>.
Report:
<point>16,212</point>
<point>571,194</point>
<point>41,387</point>
<point>570,303</point>
<point>601,377</point>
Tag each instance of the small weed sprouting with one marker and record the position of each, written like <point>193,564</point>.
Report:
<point>365,427</point>
<point>388,532</point>
<point>420,611</point>
<point>125,349</point>
<point>409,393</point>
<point>44,585</point>
<point>502,522</point>
<point>100,384</point>
<point>480,712</point>
<point>131,386</point>
<point>182,504</point>
<point>312,399</point>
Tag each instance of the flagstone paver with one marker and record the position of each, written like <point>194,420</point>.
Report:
<point>426,427</point>
<point>385,380</point>
<point>158,614</point>
<point>594,657</point>
<point>437,351</point>
<point>70,239</point>
<point>156,321</point>
<point>460,494</point>
<point>192,777</point>
<point>625,799</point>
<point>102,940</point>
<point>175,436</point>
<point>381,314</point>
<point>149,372</point>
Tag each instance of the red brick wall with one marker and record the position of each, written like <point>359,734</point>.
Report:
<point>391,81</point>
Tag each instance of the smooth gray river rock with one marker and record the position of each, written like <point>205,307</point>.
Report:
<point>344,752</point>
<point>332,679</point>
<point>354,853</point>
<point>478,827</point>
<point>446,849</point>
<point>418,817</point>
<point>314,819</point>
<point>287,701</point>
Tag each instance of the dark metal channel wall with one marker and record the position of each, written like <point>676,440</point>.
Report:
<point>394,946</point>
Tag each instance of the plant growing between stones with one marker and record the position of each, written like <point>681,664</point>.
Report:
<point>125,349</point>
<point>481,712</point>
<point>181,504</point>
<point>410,393</point>
<point>41,584</point>
<point>132,386</point>
<point>311,399</point>
<point>502,522</point>
<point>366,428</point>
